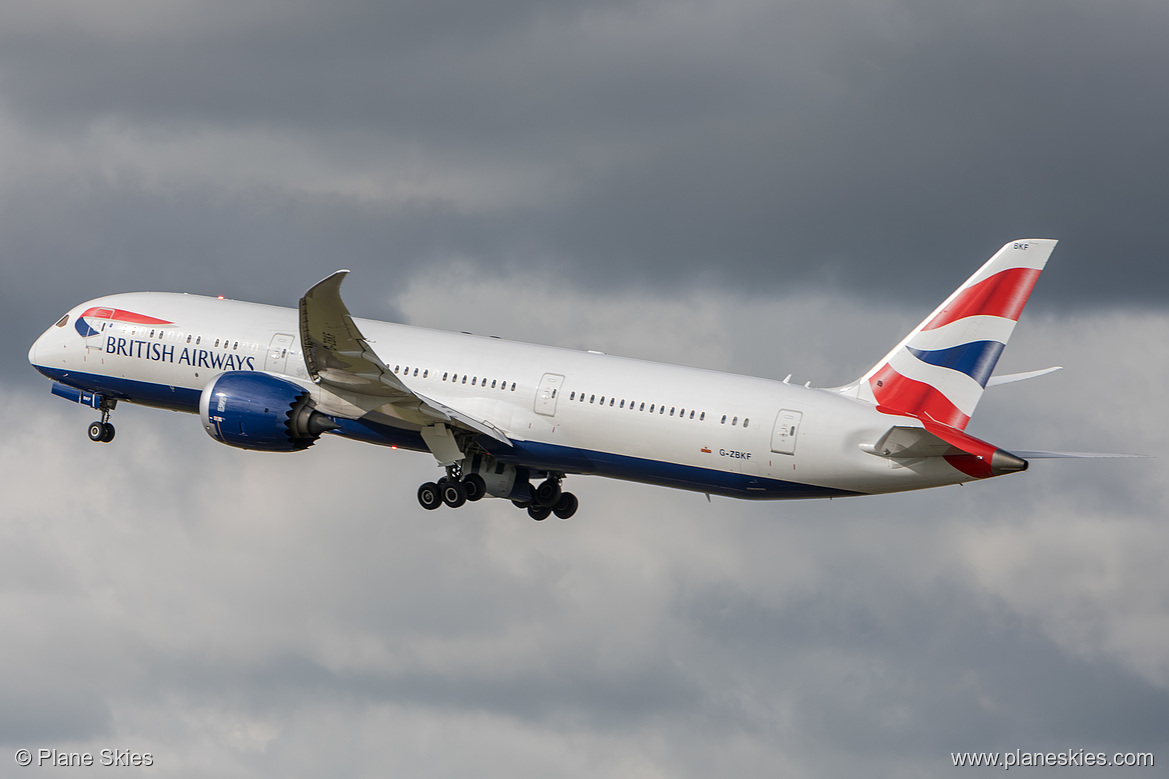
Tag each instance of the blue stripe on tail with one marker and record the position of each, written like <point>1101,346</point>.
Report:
<point>976,360</point>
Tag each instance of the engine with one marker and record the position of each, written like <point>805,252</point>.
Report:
<point>257,411</point>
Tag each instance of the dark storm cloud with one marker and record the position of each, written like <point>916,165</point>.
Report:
<point>877,147</point>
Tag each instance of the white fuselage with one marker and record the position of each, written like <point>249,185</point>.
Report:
<point>566,411</point>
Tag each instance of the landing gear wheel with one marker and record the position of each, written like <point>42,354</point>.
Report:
<point>566,506</point>
<point>429,497</point>
<point>453,494</point>
<point>539,513</point>
<point>548,493</point>
<point>101,432</point>
<point>475,487</point>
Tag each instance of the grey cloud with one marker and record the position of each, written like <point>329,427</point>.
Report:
<point>875,148</point>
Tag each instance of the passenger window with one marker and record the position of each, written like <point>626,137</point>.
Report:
<point>235,346</point>
<point>602,400</point>
<point>474,381</point>
<point>651,408</point>
<point>612,401</point>
<point>734,421</point>
<point>217,343</point>
<point>513,386</point>
<point>151,333</point>
<point>572,395</point>
<point>745,421</point>
<point>692,415</point>
<point>188,339</point>
<point>198,340</point>
<point>642,407</point>
<point>724,420</point>
<point>661,410</point>
<point>444,375</point>
<point>415,371</point>
<point>426,373</point>
<point>464,378</point>
<point>622,403</point>
<point>592,398</point>
<point>682,413</point>
<point>493,387</point>
<point>671,411</point>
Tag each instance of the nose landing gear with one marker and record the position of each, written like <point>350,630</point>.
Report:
<point>103,432</point>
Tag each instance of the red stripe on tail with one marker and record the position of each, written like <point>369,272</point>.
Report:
<point>1003,294</point>
<point>899,395</point>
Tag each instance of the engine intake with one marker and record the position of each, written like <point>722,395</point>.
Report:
<point>252,410</point>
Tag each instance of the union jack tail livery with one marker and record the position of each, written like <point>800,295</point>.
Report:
<point>938,372</point>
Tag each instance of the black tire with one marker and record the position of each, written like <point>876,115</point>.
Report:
<point>539,513</point>
<point>108,435</point>
<point>429,497</point>
<point>97,432</point>
<point>475,487</point>
<point>453,494</point>
<point>566,506</point>
<point>547,493</point>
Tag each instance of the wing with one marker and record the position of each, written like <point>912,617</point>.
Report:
<point>337,355</point>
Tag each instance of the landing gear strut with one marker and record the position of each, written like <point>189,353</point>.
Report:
<point>103,432</point>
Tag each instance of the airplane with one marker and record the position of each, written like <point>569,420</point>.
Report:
<point>512,420</point>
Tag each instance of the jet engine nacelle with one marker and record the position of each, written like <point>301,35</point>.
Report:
<point>257,411</point>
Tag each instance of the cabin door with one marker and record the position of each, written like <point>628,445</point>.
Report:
<point>546,393</point>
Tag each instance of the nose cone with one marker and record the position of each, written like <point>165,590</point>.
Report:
<point>32,352</point>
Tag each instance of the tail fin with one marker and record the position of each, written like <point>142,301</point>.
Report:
<point>941,368</point>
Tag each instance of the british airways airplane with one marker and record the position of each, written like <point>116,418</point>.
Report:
<point>513,420</point>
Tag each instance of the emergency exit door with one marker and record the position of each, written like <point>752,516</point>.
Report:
<point>277,359</point>
<point>787,427</point>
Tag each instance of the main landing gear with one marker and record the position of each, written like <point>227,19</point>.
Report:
<point>103,432</point>
<point>454,490</point>
<point>548,499</point>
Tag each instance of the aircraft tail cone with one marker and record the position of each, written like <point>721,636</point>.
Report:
<point>1003,461</point>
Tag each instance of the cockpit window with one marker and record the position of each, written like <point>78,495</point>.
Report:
<point>63,321</point>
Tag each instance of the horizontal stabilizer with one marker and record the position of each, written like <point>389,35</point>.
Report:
<point>1010,378</point>
<point>1040,455</point>
<point>963,451</point>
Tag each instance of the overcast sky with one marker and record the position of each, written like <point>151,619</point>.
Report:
<point>759,187</point>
